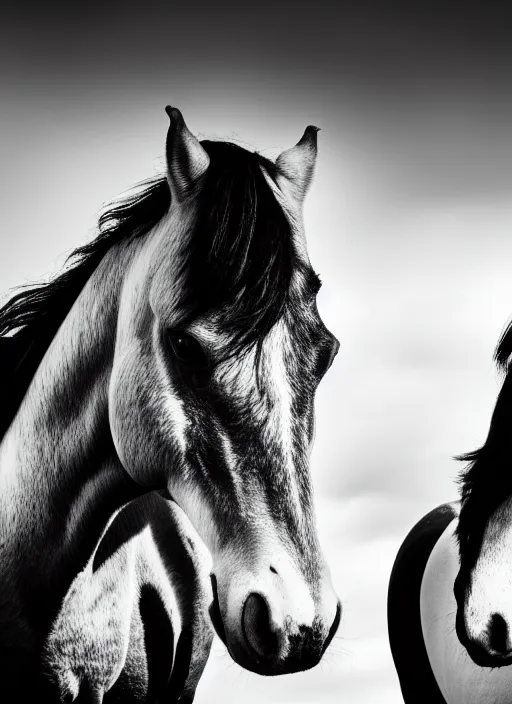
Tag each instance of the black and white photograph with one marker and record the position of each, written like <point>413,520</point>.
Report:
<point>255,334</point>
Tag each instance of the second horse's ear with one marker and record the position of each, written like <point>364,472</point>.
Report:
<point>296,166</point>
<point>187,161</point>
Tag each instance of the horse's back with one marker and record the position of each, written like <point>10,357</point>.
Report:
<point>417,679</point>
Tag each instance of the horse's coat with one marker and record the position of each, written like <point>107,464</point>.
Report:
<point>417,680</point>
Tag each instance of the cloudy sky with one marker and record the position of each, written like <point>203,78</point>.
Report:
<point>409,224</point>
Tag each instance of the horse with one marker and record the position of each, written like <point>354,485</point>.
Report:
<point>134,625</point>
<point>450,590</point>
<point>178,352</point>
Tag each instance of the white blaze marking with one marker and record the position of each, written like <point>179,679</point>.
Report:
<point>238,379</point>
<point>233,465</point>
<point>281,418</point>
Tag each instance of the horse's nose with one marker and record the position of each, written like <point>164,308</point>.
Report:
<point>490,646</point>
<point>258,631</point>
<point>498,636</point>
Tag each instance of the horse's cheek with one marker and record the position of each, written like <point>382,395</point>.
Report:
<point>132,406</point>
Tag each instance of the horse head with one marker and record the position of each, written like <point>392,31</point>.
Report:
<point>219,351</point>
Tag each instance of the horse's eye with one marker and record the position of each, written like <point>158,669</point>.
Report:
<point>188,350</point>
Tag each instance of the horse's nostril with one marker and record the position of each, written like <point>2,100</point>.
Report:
<point>499,635</point>
<point>256,626</point>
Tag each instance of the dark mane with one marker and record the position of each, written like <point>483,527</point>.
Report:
<point>504,347</point>
<point>487,480</point>
<point>240,260</point>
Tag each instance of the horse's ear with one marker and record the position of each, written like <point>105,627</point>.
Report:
<point>187,161</point>
<point>297,165</point>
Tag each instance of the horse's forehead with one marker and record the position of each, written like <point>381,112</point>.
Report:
<point>171,237</point>
<point>160,264</point>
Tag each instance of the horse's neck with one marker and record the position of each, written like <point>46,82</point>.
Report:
<point>60,478</point>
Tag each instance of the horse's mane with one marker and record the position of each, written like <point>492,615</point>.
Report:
<point>487,480</point>
<point>239,260</point>
<point>504,347</point>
